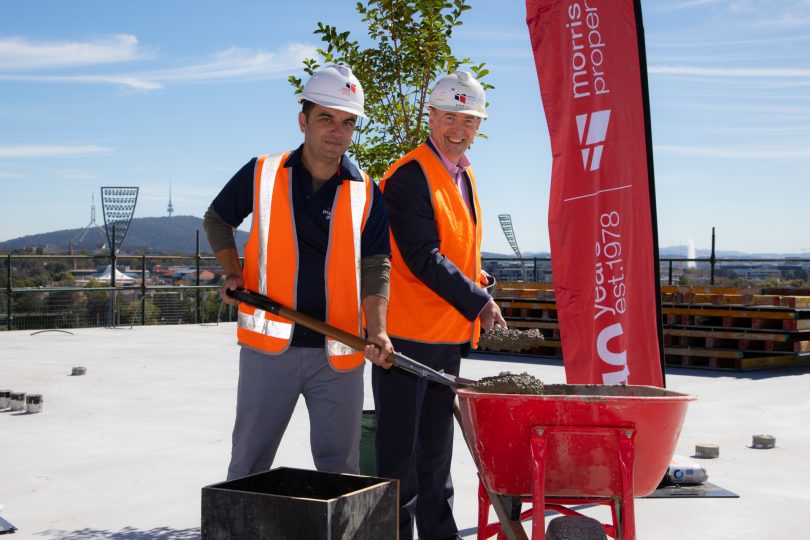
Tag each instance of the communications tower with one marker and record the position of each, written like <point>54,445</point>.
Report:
<point>170,208</point>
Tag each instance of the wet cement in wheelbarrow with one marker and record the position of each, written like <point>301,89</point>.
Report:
<point>523,383</point>
<point>509,383</point>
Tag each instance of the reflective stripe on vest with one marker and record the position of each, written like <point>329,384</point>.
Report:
<point>271,262</point>
<point>416,312</point>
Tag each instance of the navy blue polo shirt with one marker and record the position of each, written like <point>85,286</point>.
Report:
<point>312,212</point>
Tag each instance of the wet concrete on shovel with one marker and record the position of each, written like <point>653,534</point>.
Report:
<point>509,339</point>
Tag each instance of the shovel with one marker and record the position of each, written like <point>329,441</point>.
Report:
<point>356,342</point>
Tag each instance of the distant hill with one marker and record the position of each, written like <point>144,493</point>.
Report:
<point>680,252</point>
<point>174,235</point>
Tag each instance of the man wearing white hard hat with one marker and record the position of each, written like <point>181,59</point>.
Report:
<point>438,304</point>
<point>318,244</point>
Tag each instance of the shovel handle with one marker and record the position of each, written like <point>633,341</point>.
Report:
<point>355,342</point>
<point>262,302</point>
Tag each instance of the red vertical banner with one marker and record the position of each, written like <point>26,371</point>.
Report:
<point>601,209</point>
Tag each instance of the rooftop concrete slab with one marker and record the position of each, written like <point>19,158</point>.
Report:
<point>123,451</point>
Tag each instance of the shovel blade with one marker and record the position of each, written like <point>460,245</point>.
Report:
<point>425,372</point>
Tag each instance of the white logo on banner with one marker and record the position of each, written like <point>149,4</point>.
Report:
<point>592,130</point>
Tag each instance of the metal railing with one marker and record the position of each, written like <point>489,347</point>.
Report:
<point>675,271</point>
<point>67,291</point>
<point>64,291</point>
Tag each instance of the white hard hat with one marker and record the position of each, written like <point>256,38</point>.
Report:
<point>459,92</point>
<point>335,86</point>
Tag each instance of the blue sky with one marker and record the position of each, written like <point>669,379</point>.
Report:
<point>96,93</point>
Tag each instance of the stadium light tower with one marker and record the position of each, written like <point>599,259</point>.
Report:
<point>509,232</point>
<point>118,204</point>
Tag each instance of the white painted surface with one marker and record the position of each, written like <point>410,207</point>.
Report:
<point>124,451</point>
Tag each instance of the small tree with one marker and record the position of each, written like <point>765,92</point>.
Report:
<point>410,52</point>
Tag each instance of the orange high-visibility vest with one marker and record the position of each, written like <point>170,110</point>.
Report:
<point>271,262</point>
<point>416,312</point>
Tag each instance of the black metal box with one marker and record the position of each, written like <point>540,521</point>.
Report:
<point>298,504</point>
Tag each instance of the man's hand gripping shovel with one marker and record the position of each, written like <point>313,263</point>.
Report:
<point>356,342</point>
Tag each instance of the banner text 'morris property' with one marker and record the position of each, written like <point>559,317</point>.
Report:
<point>601,212</point>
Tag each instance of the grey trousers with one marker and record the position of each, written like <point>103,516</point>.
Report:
<point>269,386</point>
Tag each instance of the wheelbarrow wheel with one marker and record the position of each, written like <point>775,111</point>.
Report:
<point>575,528</point>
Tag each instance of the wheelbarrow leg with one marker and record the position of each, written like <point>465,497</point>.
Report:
<point>626,526</point>
<point>538,449</point>
<point>485,500</point>
<point>507,528</point>
<point>484,530</point>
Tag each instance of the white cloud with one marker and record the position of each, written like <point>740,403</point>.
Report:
<point>234,64</point>
<point>784,14</point>
<point>755,130</point>
<point>48,151</point>
<point>505,52</point>
<point>783,21</point>
<point>130,81</point>
<point>747,56</point>
<point>687,43</point>
<point>696,71</point>
<point>21,54</point>
<point>685,5</point>
<point>238,64</point>
<point>478,35</point>
<point>667,177</point>
<point>795,113</point>
<point>732,153</point>
<point>768,6</point>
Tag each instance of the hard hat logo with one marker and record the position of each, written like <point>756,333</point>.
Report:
<point>335,86</point>
<point>459,92</point>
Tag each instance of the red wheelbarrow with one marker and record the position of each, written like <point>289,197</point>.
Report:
<point>573,445</point>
